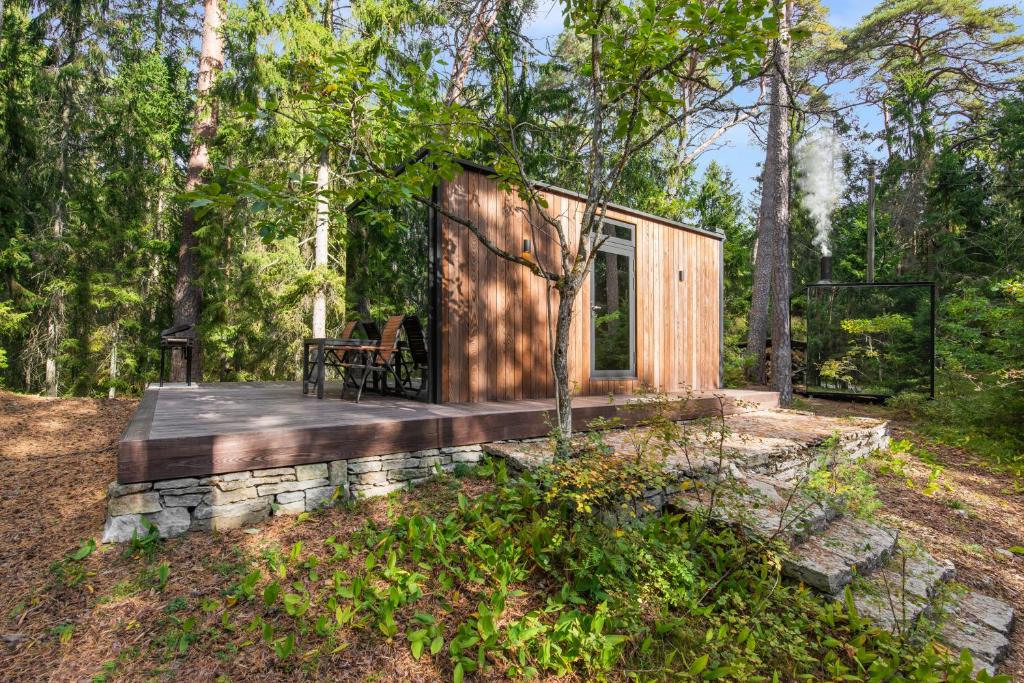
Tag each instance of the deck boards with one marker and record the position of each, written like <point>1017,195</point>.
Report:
<point>228,427</point>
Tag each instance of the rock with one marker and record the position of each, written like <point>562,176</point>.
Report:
<point>273,472</point>
<point>231,476</point>
<point>403,464</point>
<point>219,497</point>
<point>191,490</point>
<point>984,643</point>
<point>170,522</point>
<point>818,568</point>
<point>134,504</point>
<point>389,457</point>
<point>407,474</point>
<point>475,448</point>
<point>291,497</point>
<point>338,473</point>
<point>175,483</point>
<point>368,479</point>
<point>922,575</point>
<point>286,486</point>
<point>364,491</point>
<point>293,508</point>
<point>1006,554</point>
<point>314,471</point>
<point>319,497</point>
<point>466,456</point>
<point>120,529</point>
<point>237,521</point>
<point>363,465</point>
<point>188,501</point>
<point>988,611</point>
<point>245,507</point>
<point>435,461</point>
<point>115,490</point>
<point>246,483</point>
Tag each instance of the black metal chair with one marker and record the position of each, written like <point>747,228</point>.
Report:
<point>181,337</point>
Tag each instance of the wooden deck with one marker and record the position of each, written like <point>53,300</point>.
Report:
<point>229,427</point>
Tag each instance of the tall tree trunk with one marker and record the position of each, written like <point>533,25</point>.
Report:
<point>187,294</point>
<point>480,21</point>
<point>782,354</point>
<point>323,224</point>
<point>777,146</point>
<point>112,391</point>
<point>55,311</point>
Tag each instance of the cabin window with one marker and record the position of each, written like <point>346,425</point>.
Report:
<point>613,304</point>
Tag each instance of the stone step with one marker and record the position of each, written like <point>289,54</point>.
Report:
<point>759,506</point>
<point>896,595</point>
<point>848,547</point>
<point>979,624</point>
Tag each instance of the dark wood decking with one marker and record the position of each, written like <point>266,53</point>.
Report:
<point>228,427</point>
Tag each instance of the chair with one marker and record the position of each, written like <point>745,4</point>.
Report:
<point>418,359</point>
<point>319,354</point>
<point>380,359</point>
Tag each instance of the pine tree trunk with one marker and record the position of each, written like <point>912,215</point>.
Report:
<point>55,311</point>
<point>776,165</point>
<point>323,224</point>
<point>187,293</point>
<point>782,354</point>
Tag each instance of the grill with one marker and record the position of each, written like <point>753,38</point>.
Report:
<point>178,337</point>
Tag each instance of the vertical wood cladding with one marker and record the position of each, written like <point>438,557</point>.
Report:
<point>494,314</point>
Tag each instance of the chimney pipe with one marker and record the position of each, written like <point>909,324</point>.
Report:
<point>826,269</point>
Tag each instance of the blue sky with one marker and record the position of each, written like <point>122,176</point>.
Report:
<point>740,153</point>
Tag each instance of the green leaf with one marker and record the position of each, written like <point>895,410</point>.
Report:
<point>458,673</point>
<point>84,550</point>
<point>270,593</point>
<point>417,649</point>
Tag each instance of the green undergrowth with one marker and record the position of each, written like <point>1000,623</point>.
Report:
<point>516,582</point>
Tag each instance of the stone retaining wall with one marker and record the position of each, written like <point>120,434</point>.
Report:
<point>230,501</point>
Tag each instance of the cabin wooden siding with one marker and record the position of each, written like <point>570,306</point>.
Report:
<point>493,318</point>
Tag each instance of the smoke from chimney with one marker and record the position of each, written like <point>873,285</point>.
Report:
<point>820,176</point>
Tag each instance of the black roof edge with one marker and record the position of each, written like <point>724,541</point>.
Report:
<point>488,170</point>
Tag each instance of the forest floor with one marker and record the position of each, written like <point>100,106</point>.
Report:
<point>112,617</point>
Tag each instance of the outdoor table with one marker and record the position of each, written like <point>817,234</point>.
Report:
<point>327,350</point>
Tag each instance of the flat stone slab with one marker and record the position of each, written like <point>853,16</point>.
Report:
<point>767,440</point>
<point>899,593</point>
<point>986,644</point>
<point>988,611</point>
<point>847,548</point>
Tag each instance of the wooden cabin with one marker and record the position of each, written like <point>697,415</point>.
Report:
<point>650,316</point>
<point>651,313</point>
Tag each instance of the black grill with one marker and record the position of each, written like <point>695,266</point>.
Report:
<point>178,337</point>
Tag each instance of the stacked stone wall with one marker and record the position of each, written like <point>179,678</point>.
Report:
<point>237,499</point>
